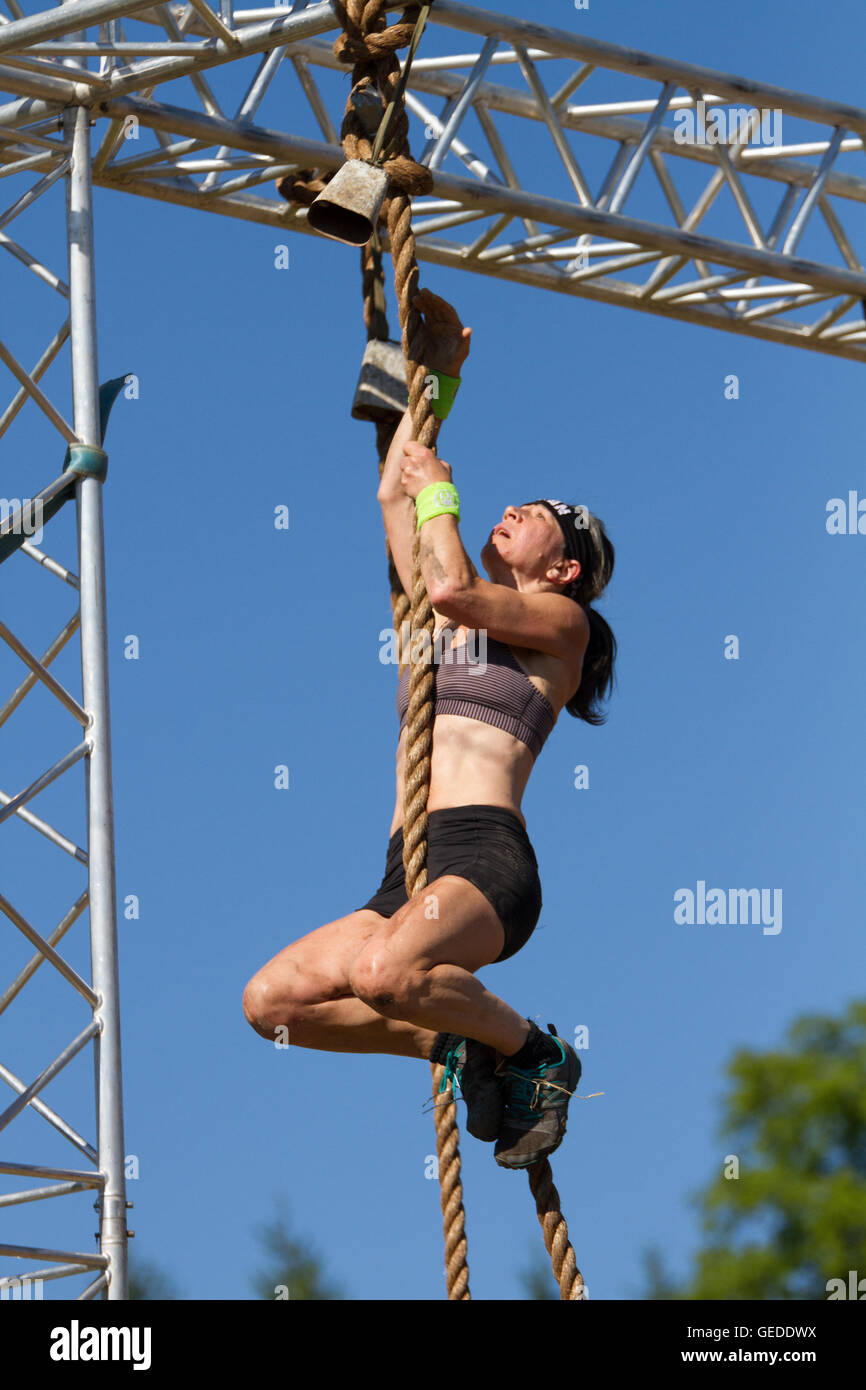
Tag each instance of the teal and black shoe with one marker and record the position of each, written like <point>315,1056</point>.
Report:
<point>471,1066</point>
<point>536,1104</point>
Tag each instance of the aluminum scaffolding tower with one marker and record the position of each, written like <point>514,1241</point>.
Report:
<point>105,1176</point>
<point>581,167</point>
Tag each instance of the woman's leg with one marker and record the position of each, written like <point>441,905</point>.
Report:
<point>419,967</point>
<point>303,996</point>
<point>367,983</point>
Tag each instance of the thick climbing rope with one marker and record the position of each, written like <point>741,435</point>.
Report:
<point>447,1134</point>
<point>371,45</point>
<point>376,324</point>
<point>548,1208</point>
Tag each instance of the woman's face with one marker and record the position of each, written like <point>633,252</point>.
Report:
<point>527,541</point>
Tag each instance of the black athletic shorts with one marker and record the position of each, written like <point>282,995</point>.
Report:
<point>487,845</point>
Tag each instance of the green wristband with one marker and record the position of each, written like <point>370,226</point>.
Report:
<point>436,499</point>
<point>442,391</point>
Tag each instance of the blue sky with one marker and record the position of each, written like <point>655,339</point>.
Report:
<point>259,647</point>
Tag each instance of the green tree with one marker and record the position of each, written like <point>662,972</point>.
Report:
<point>296,1270</point>
<point>659,1284</point>
<point>537,1277</point>
<point>795,1215</point>
<point>147,1281</point>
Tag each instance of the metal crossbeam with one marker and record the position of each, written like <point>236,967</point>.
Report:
<point>508,153</point>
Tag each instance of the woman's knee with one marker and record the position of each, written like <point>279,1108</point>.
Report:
<point>267,1007</point>
<point>383,983</point>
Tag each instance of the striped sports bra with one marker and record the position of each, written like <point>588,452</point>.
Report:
<point>495,690</point>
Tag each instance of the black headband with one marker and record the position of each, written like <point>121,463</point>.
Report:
<point>574,525</point>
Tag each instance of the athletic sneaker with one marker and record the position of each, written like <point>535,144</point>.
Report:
<point>536,1103</point>
<point>471,1065</point>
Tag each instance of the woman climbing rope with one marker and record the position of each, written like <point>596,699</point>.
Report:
<point>398,975</point>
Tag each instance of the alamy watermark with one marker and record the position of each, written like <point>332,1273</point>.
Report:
<point>722,125</point>
<point>23,1287</point>
<point>77,1343</point>
<point>418,647</point>
<point>846,518</point>
<point>21,517</point>
<point>721,907</point>
<point>854,1287</point>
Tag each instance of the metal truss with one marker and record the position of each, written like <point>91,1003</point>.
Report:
<point>559,161</point>
<point>53,716</point>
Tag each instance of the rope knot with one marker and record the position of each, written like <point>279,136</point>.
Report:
<point>302,186</point>
<point>367,39</point>
<point>408,175</point>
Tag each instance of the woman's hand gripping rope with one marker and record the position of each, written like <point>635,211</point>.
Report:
<point>446,344</point>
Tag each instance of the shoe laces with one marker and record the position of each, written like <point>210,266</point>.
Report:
<point>450,1073</point>
<point>525,1092</point>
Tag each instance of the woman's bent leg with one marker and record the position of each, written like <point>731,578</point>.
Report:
<point>368,983</point>
<point>419,967</point>
<point>347,1025</point>
<point>303,997</point>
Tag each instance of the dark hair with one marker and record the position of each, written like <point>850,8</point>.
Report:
<point>597,677</point>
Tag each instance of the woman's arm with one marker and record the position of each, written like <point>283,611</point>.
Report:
<point>446,348</point>
<point>398,508</point>
<point>444,563</point>
<point>389,483</point>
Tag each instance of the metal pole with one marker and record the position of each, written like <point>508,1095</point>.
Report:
<point>94,671</point>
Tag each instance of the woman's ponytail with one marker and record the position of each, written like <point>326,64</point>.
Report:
<point>596,680</point>
<point>597,677</point>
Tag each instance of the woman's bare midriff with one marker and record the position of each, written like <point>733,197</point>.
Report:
<point>474,763</point>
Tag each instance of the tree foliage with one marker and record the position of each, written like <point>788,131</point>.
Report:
<point>295,1271</point>
<point>795,1215</point>
<point>147,1282</point>
<point>537,1278</point>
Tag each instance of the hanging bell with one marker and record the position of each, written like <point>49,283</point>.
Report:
<point>347,209</point>
<point>381,393</point>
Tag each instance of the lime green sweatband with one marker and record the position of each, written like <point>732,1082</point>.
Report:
<point>436,499</point>
<point>442,392</point>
